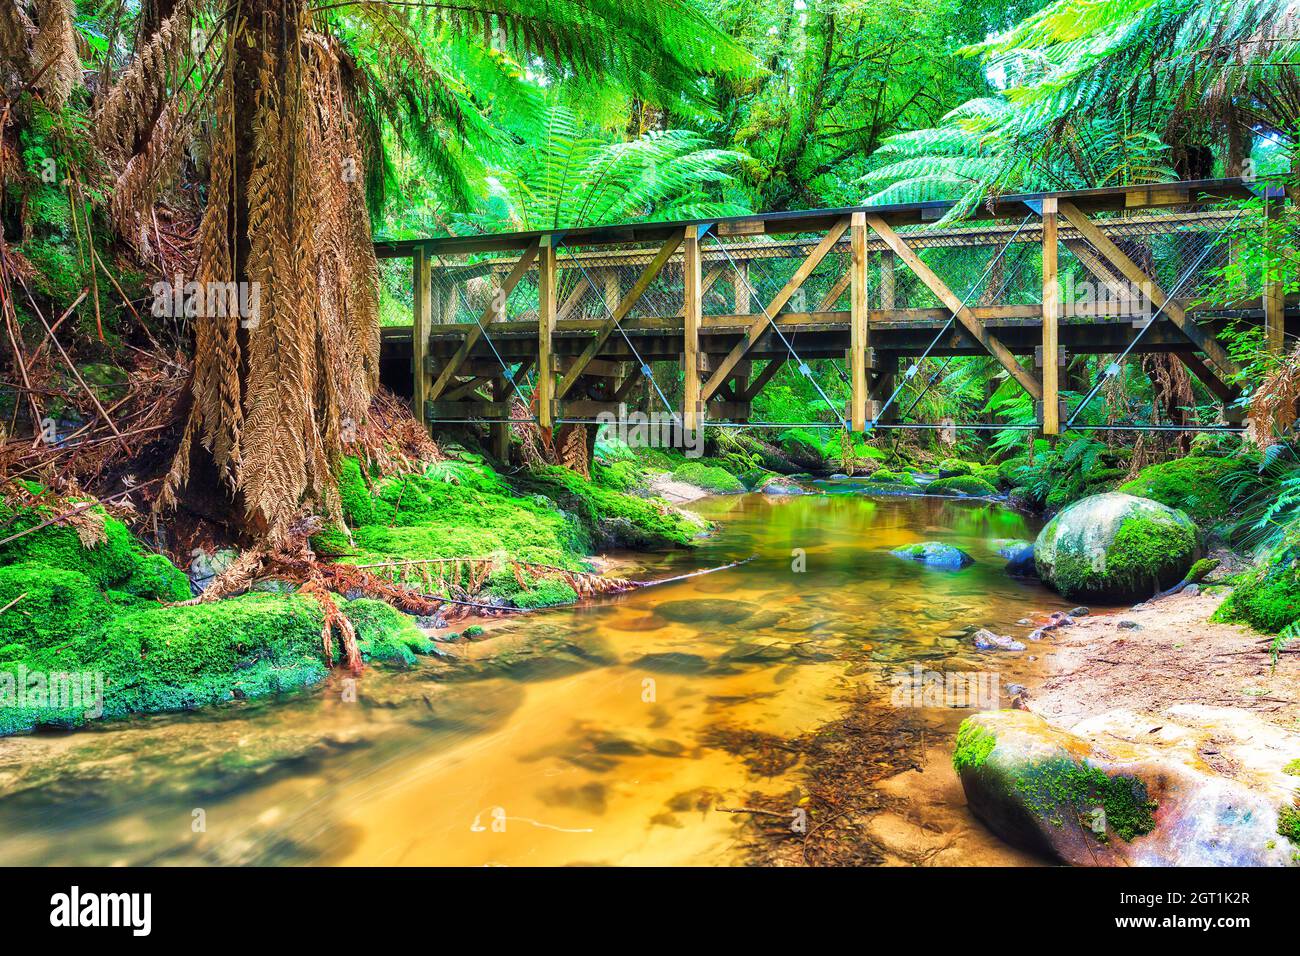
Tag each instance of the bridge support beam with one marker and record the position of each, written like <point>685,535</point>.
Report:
<point>545,391</point>
<point>421,319</point>
<point>1274,294</point>
<point>859,330</point>
<point>1051,317</point>
<point>692,307</point>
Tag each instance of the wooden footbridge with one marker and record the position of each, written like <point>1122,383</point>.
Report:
<point>574,321</point>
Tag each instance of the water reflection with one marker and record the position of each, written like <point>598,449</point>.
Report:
<point>574,736</point>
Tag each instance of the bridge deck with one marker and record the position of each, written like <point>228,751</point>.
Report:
<point>1037,276</point>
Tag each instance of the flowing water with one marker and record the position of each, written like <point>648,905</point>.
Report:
<point>580,735</point>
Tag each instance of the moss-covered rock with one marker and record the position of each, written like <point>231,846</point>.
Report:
<point>1124,789</point>
<point>116,561</point>
<point>709,477</point>
<point>1115,547</point>
<point>45,607</point>
<point>385,633</point>
<point>157,658</point>
<point>1197,485</point>
<point>885,476</point>
<point>965,486</point>
<point>955,468</point>
<point>934,554</point>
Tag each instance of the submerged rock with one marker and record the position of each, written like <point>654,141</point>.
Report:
<point>1115,547</point>
<point>1128,790</point>
<point>934,554</point>
<point>1020,558</point>
<point>986,640</point>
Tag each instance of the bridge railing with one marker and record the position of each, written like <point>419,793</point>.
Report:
<point>1094,256</point>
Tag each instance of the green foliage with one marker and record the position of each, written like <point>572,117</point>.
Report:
<point>118,562</point>
<point>1078,467</point>
<point>1288,823</point>
<point>885,476</point>
<point>1267,598</point>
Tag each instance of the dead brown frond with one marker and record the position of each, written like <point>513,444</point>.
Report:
<point>1274,404</point>
<point>54,51</point>
<point>275,400</point>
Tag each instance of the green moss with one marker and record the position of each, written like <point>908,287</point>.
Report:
<point>354,494</point>
<point>885,476</point>
<point>955,467</point>
<point>107,564</point>
<point>157,578</point>
<point>1147,548</point>
<point>1293,768</point>
<point>173,658</point>
<point>474,630</point>
<point>53,606</point>
<point>611,519</point>
<point>964,485</point>
<point>546,593</point>
<point>1012,472</point>
<point>385,633</point>
<point>1288,823</point>
<point>1197,485</point>
<point>973,746</point>
<point>1060,789</point>
<point>709,477</point>
<point>1267,598</point>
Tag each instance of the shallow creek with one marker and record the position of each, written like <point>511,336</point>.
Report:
<point>579,735</point>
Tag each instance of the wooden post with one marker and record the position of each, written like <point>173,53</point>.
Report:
<point>1274,298</point>
<point>545,329</point>
<point>692,307</point>
<point>421,318</point>
<point>858,330</point>
<point>887,261</point>
<point>1051,320</point>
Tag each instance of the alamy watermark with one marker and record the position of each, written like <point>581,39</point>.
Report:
<point>652,430</point>
<point>209,300</point>
<point>53,690</point>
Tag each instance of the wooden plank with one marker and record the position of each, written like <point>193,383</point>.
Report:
<point>606,329</point>
<point>458,411</point>
<point>1202,339</point>
<point>1051,317</point>
<point>692,307</point>
<point>421,319</point>
<point>969,321</point>
<point>476,331</point>
<point>859,331</point>
<point>814,258</point>
<point>502,389</point>
<point>545,391</point>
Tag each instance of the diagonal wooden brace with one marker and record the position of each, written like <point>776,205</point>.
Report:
<point>724,368</point>
<point>476,331</point>
<point>1202,339</point>
<point>969,322</point>
<point>603,333</point>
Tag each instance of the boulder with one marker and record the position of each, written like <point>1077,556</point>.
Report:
<point>1020,558</point>
<point>934,554</point>
<point>986,640</point>
<point>1193,786</point>
<point>1115,547</point>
